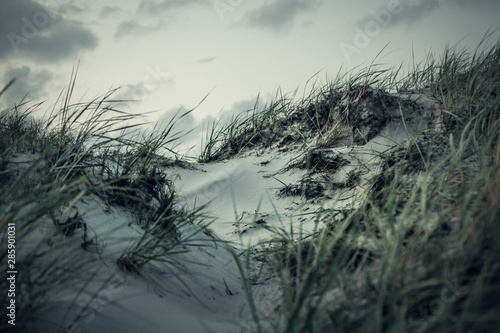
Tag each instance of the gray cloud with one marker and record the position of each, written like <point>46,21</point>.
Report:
<point>202,61</point>
<point>412,11</point>
<point>193,130</point>
<point>30,30</point>
<point>131,92</point>
<point>63,43</point>
<point>242,108</point>
<point>409,11</point>
<point>187,126</point>
<point>279,15</point>
<point>28,83</point>
<point>133,28</point>
<point>154,7</point>
<point>71,8</point>
<point>464,3</point>
<point>108,11</point>
<point>153,80</point>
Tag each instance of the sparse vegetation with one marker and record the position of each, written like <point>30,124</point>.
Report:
<point>51,168</point>
<point>414,250</point>
<point>417,250</point>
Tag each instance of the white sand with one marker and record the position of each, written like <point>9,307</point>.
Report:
<point>239,192</point>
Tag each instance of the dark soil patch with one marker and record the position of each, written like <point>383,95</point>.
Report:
<point>320,160</point>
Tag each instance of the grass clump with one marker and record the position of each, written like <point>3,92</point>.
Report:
<point>50,170</point>
<point>417,249</point>
<point>413,250</point>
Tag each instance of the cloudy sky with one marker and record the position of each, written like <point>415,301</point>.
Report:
<point>169,54</point>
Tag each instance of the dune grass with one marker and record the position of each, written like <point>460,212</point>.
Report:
<point>419,251</point>
<point>82,152</point>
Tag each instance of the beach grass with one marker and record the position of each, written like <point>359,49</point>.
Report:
<point>417,252</point>
<point>81,153</point>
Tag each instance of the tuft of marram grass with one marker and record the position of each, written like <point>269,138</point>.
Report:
<point>432,213</point>
<point>73,156</point>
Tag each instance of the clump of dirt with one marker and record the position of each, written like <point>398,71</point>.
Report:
<point>352,179</point>
<point>320,160</point>
<point>364,111</point>
<point>336,118</point>
<point>417,154</point>
<point>247,221</point>
<point>287,140</point>
<point>320,165</point>
<point>308,188</point>
<point>317,116</point>
<point>358,114</point>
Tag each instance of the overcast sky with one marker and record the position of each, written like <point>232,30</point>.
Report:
<point>171,53</point>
